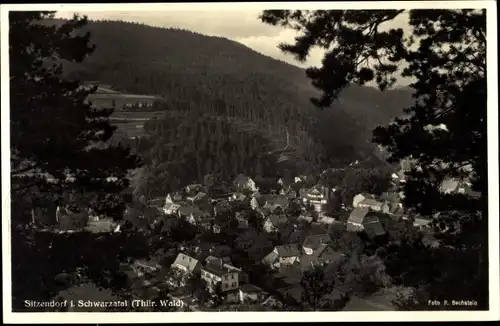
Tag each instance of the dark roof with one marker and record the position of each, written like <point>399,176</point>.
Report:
<point>371,202</point>
<point>358,215</point>
<point>374,229</point>
<point>186,261</point>
<point>391,197</point>
<point>288,250</point>
<point>250,288</point>
<point>270,258</point>
<point>314,241</point>
<point>278,220</point>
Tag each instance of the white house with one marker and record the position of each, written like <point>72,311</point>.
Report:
<point>244,183</point>
<point>254,204</point>
<point>372,204</point>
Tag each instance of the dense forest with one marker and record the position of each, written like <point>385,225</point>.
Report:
<point>182,150</point>
<point>202,77</point>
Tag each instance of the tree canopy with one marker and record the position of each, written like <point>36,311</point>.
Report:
<point>54,130</point>
<point>54,159</point>
<point>442,54</point>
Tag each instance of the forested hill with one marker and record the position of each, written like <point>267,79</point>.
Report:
<point>221,77</point>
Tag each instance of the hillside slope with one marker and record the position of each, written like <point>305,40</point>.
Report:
<point>216,76</point>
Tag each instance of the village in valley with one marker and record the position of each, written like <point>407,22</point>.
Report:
<point>242,247</point>
<point>248,244</point>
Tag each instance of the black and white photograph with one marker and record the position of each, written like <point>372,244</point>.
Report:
<point>299,158</point>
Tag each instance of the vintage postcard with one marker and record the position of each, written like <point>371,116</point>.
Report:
<point>285,161</point>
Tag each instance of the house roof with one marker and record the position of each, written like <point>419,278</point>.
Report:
<point>194,186</point>
<point>200,196</point>
<point>324,256</point>
<point>186,261</point>
<point>314,241</point>
<point>307,218</point>
<point>288,250</point>
<point>391,197</point>
<point>188,209</point>
<point>358,215</point>
<point>270,258</point>
<point>250,288</point>
<point>371,202</point>
<point>278,200</point>
<point>374,229</point>
<point>214,267</point>
<point>317,228</point>
<point>278,220</point>
<point>217,260</point>
<point>396,209</point>
<point>421,221</point>
<point>366,195</point>
<point>314,191</point>
<point>171,206</point>
<point>241,178</point>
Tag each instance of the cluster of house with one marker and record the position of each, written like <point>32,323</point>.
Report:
<point>217,272</point>
<point>106,97</point>
<point>315,251</point>
<point>67,219</point>
<point>198,208</point>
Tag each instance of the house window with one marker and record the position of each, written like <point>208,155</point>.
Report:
<point>226,286</point>
<point>226,277</point>
<point>233,284</point>
<point>232,276</point>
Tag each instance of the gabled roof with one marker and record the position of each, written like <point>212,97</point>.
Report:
<point>288,250</point>
<point>250,288</point>
<point>449,185</point>
<point>374,229</point>
<point>200,196</point>
<point>358,215</point>
<point>187,209</point>
<point>217,260</point>
<point>278,220</point>
<point>314,192</point>
<point>391,197</point>
<point>314,241</point>
<point>366,195</point>
<point>241,178</point>
<point>421,221</point>
<point>186,261</point>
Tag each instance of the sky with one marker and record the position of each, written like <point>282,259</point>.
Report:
<point>242,26</point>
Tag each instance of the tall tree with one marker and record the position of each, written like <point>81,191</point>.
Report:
<point>316,289</point>
<point>54,130</point>
<point>443,131</point>
<point>55,135</point>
